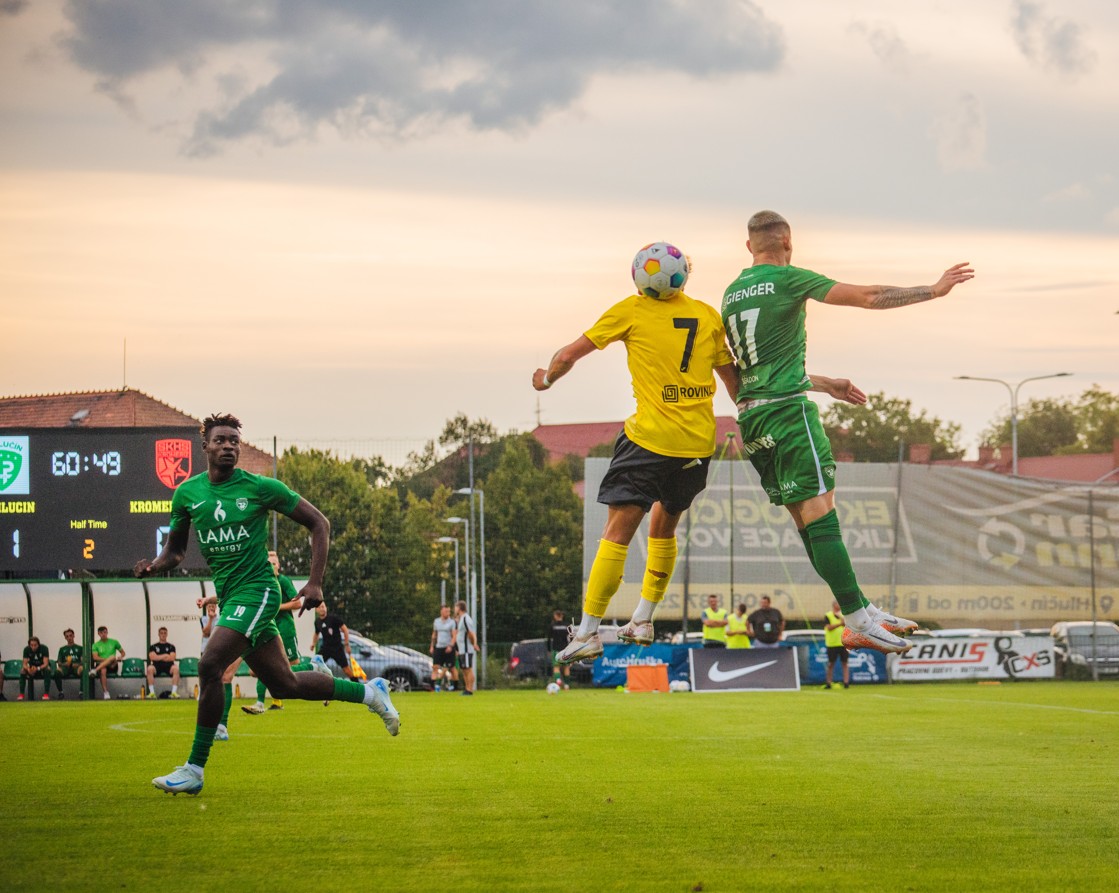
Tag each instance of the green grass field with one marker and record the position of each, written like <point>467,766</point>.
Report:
<point>917,787</point>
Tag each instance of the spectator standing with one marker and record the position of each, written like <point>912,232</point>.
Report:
<point>36,665</point>
<point>714,621</point>
<point>466,645</point>
<point>558,635</point>
<point>332,638</point>
<point>105,654</point>
<point>68,664</point>
<point>738,628</point>
<point>833,642</point>
<point>442,649</point>
<point>207,621</point>
<point>162,661</point>
<point>766,625</point>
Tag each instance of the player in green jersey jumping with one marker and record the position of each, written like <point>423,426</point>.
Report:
<point>228,508</point>
<point>763,312</point>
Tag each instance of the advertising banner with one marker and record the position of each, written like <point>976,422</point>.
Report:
<point>864,666</point>
<point>610,669</point>
<point>937,658</point>
<point>943,545</point>
<point>741,669</point>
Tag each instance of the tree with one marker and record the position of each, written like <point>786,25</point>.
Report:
<point>1062,426</point>
<point>534,543</point>
<point>871,433</point>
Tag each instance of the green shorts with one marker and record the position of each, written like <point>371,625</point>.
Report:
<point>291,648</point>
<point>252,614</point>
<point>787,445</point>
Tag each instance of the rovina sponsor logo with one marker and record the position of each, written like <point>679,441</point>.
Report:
<point>12,452</point>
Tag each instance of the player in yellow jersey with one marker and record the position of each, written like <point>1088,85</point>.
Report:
<point>675,346</point>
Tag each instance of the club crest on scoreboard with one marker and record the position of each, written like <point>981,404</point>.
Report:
<point>172,461</point>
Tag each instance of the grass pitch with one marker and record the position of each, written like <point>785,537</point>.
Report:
<point>904,787</point>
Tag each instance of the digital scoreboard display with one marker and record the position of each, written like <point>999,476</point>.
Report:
<point>91,499</point>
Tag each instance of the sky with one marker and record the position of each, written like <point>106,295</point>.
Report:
<point>347,221</point>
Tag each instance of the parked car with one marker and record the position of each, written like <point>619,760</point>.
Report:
<point>1074,648</point>
<point>405,669</point>
<point>532,659</point>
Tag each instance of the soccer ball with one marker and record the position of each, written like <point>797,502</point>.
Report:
<point>553,688</point>
<point>660,270</point>
<point>679,685</point>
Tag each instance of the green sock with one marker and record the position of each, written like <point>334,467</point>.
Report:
<point>348,690</point>
<point>303,666</point>
<point>832,562</point>
<point>203,741</point>
<point>807,540</point>
<point>22,685</point>
<point>261,691</point>
<point>228,703</point>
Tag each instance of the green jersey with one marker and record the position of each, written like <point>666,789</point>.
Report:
<point>69,655</point>
<point>763,312</point>
<point>104,648</point>
<point>231,521</point>
<point>36,657</point>
<point>285,620</point>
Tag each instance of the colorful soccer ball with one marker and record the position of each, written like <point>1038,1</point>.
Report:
<point>660,270</point>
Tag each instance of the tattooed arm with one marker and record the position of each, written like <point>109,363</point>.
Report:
<point>886,297</point>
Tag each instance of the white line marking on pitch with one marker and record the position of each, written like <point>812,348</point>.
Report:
<point>1009,704</point>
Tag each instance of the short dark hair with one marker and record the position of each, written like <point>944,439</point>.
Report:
<point>102,629</point>
<point>34,639</point>
<point>461,605</point>
<point>162,629</point>
<point>219,420</point>
<point>70,631</point>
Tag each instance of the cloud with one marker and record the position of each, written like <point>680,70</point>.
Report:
<point>961,135</point>
<point>1051,43</point>
<point>885,44</point>
<point>1074,192</point>
<point>13,7</point>
<point>279,70</point>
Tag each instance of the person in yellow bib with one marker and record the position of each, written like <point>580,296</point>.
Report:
<point>714,624</point>
<point>833,641</point>
<point>738,628</point>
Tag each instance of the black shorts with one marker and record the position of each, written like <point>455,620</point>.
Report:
<point>339,657</point>
<point>162,669</point>
<point>466,660</point>
<point>443,657</point>
<point>837,652</point>
<point>638,476</point>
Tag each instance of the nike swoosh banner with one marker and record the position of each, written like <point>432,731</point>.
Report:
<point>733,669</point>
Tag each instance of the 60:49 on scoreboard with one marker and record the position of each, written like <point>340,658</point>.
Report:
<point>95,499</point>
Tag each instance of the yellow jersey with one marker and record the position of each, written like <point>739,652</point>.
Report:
<point>672,349</point>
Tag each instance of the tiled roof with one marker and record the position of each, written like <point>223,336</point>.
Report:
<point>126,408</point>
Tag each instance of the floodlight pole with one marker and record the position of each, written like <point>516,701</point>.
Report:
<point>1013,389</point>
<point>451,539</point>
<point>470,491</point>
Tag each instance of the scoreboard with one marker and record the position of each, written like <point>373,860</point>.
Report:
<point>91,498</point>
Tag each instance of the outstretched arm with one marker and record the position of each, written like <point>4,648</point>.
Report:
<point>886,297</point>
<point>561,363</point>
<point>838,388</point>
<point>315,521</point>
<point>169,557</point>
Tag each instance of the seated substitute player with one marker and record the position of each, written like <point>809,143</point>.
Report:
<point>106,654</point>
<point>675,346</point>
<point>285,623</point>
<point>68,664</point>
<point>36,665</point>
<point>162,661</point>
<point>764,312</point>
<point>229,509</point>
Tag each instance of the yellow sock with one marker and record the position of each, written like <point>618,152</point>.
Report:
<point>605,578</point>
<point>658,568</point>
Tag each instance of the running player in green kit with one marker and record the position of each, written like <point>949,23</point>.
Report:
<point>228,508</point>
<point>764,312</point>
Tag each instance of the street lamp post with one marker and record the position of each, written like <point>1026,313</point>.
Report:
<point>452,539</point>
<point>470,491</point>
<point>1013,389</point>
<point>466,560</point>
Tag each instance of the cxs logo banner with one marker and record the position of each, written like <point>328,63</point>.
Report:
<point>15,474</point>
<point>977,657</point>
<point>172,461</point>
<point>744,669</point>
